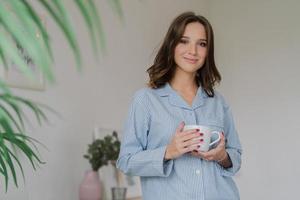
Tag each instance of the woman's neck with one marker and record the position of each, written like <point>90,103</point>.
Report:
<point>186,87</point>
<point>184,83</point>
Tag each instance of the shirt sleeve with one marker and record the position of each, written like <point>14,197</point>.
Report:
<point>134,158</point>
<point>233,145</point>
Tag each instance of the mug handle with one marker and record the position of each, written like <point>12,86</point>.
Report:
<point>217,140</point>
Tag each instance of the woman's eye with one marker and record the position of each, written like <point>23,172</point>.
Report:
<point>183,41</point>
<point>202,44</point>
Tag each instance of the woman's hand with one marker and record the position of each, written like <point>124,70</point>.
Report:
<point>182,142</point>
<point>218,154</point>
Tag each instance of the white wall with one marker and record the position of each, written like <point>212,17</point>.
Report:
<point>99,95</point>
<point>257,51</point>
<point>257,47</point>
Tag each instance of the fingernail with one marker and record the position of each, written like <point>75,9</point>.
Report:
<point>197,129</point>
<point>198,146</point>
<point>201,134</point>
<point>201,140</point>
<point>223,133</point>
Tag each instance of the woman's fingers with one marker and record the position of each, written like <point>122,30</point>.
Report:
<point>179,129</point>
<point>190,148</point>
<point>191,142</point>
<point>190,134</point>
<point>186,146</point>
<point>213,154</point>
<point>222,142</point>
<point>188,140</point>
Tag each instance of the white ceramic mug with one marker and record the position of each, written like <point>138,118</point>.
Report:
<point>207,134</point>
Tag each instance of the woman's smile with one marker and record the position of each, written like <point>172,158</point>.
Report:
<point>191,60</point>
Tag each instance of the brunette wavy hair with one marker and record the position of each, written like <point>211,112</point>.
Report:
<point>164,66</point>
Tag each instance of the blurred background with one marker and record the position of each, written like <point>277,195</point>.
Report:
<point>257,45</point>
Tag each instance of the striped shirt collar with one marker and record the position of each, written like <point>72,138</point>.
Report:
<point>176,100</point>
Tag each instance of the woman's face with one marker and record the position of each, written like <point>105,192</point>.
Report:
<point>191,51</point>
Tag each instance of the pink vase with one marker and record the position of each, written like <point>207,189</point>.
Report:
<point>90,187</point>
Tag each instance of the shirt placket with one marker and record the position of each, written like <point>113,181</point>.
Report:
<point>191,119</point>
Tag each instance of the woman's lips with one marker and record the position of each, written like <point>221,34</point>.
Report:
<point>191,60</point>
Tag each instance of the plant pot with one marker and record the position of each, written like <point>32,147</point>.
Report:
<point>118,193</point>
<point>90,187</point>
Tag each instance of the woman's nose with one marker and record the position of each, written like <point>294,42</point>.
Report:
<point>193,49</point>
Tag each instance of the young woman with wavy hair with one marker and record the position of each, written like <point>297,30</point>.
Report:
<point>181,92</point>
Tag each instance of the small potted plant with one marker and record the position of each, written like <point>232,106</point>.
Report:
<point>100,152</point>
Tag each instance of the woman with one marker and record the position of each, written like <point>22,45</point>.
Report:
<point>181,91</point>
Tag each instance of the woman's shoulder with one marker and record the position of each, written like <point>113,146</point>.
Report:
<point>143,95</point>
<point>218,96</point>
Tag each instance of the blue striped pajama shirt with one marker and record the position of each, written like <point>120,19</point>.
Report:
<point>153,117</point>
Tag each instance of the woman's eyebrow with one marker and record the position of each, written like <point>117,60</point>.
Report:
<point>186,37</point>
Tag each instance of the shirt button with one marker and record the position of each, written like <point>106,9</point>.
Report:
<point>198,172</point>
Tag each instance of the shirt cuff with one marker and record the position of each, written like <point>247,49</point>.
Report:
<point>162,166</point>
<point>235,157</point>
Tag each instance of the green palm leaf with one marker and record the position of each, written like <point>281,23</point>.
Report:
<point>64,24</point>
<point>23,33</point>
<point>16,141</point>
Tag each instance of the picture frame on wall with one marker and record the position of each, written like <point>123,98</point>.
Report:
<point>15,78</point>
